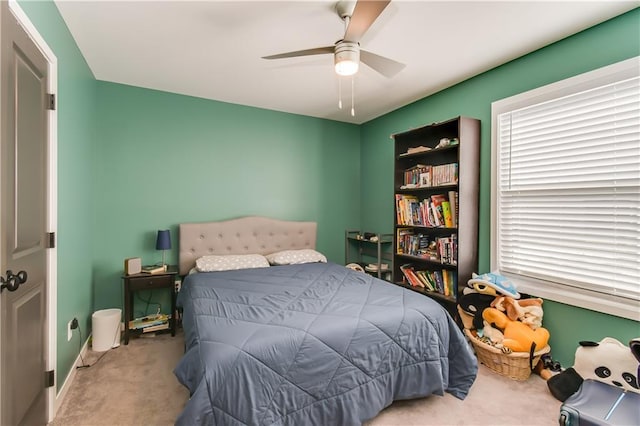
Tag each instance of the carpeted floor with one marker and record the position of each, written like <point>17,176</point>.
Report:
<point>135,385</point>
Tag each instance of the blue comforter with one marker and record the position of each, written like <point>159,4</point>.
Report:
<point>312,344</point>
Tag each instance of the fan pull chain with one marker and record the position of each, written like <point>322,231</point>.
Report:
<point>353,109</point>
<point>339,93</point>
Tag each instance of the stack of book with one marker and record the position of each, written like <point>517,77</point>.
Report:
<point>417,176</point>
<point>154,269</point>
<point>446,174</point>
<point>436,249</point>
<point>421,176</point>
<point>438,210</point>
<point>447,248</point>
<point>419,245</point>
<point>150,323</point>
<point>439,281</point>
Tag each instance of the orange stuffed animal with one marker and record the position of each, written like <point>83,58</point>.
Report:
<point>518,336</point>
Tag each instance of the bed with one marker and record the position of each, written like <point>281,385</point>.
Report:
<point>304,344</point>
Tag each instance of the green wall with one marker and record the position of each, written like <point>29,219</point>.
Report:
<point>132,160</point>
<point>609,42</point>
<point>162,159</point>
<point>76,95</point>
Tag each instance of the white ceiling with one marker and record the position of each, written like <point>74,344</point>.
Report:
<point>213,49</point>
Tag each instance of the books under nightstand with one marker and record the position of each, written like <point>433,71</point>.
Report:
<point>150,323</point>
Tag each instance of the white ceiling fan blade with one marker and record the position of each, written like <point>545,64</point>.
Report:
<point>307,52</point>
<point>385,66</point>
<point>364,14</point>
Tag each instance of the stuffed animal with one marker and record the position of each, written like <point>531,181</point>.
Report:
<point>493,334</point>
<point>481,290</point>
<point>528,311</point>
<point>518,336</point>
<point>355,267</point>
<point>607,361</point>
<point>634,344</point>
<point>493,284</point>
<point>474,304</point>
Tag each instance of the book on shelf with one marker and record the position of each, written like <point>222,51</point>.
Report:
<point>432,280</point>
<point>446,214</point>
<point>420,176</point>
<point>441,282</point>
<point>445,282</point>
<point>424,180</point>
<point>447,248</point>
<point>407,210</point>
<point>436,209</point>
<point>154,269</point>
<point>437,281</point>
<point>409,274</point>
<point>426,279</point>
<point>400,240</point>
<point>445,174</point>
<point>449,280</point>
<point>448,285</point>
<point>418,245</point>
<point>412,175</point>
<point>453,205</point>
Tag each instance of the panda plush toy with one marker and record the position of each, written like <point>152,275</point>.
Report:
<point>607,361</point>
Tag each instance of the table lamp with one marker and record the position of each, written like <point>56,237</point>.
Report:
<point>163,242</point>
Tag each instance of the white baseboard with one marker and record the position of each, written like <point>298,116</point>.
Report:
<point>68,381</point>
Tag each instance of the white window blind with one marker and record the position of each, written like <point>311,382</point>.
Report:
<point>568,190</point>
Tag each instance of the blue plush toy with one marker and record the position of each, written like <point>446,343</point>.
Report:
<point>492,283</point>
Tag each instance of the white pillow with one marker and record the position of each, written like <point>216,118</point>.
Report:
<point>230,262</point>
<point>295,257</point>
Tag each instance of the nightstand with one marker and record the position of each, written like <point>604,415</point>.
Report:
<point>143,281</point>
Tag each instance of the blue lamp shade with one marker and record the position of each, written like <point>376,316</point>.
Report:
<point>163,242</point>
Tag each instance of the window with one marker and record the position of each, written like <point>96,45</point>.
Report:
<point>566,190</point>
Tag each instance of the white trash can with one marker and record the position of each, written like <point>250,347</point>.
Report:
<point>106,329</point>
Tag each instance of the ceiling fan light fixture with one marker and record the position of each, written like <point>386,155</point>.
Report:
<point>346,67</point>
<point>346,58</point>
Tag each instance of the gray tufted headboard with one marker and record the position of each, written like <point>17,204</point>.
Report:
<point>245,235</point>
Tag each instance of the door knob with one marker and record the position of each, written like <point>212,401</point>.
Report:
<point>12,282</point>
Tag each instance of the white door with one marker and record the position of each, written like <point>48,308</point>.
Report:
<point>23,174</point>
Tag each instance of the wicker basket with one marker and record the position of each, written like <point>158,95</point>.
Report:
<point>515,365</point>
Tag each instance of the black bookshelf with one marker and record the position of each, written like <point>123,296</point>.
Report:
<point>440,177</point>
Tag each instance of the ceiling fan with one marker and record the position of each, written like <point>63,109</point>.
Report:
<point>358,17</point>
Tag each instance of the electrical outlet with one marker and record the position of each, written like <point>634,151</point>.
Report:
<point>69,330</point>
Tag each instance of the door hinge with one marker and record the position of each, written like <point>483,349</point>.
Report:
<point>51,101</point>
<point>49,378</point>
<point>51,239</point>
